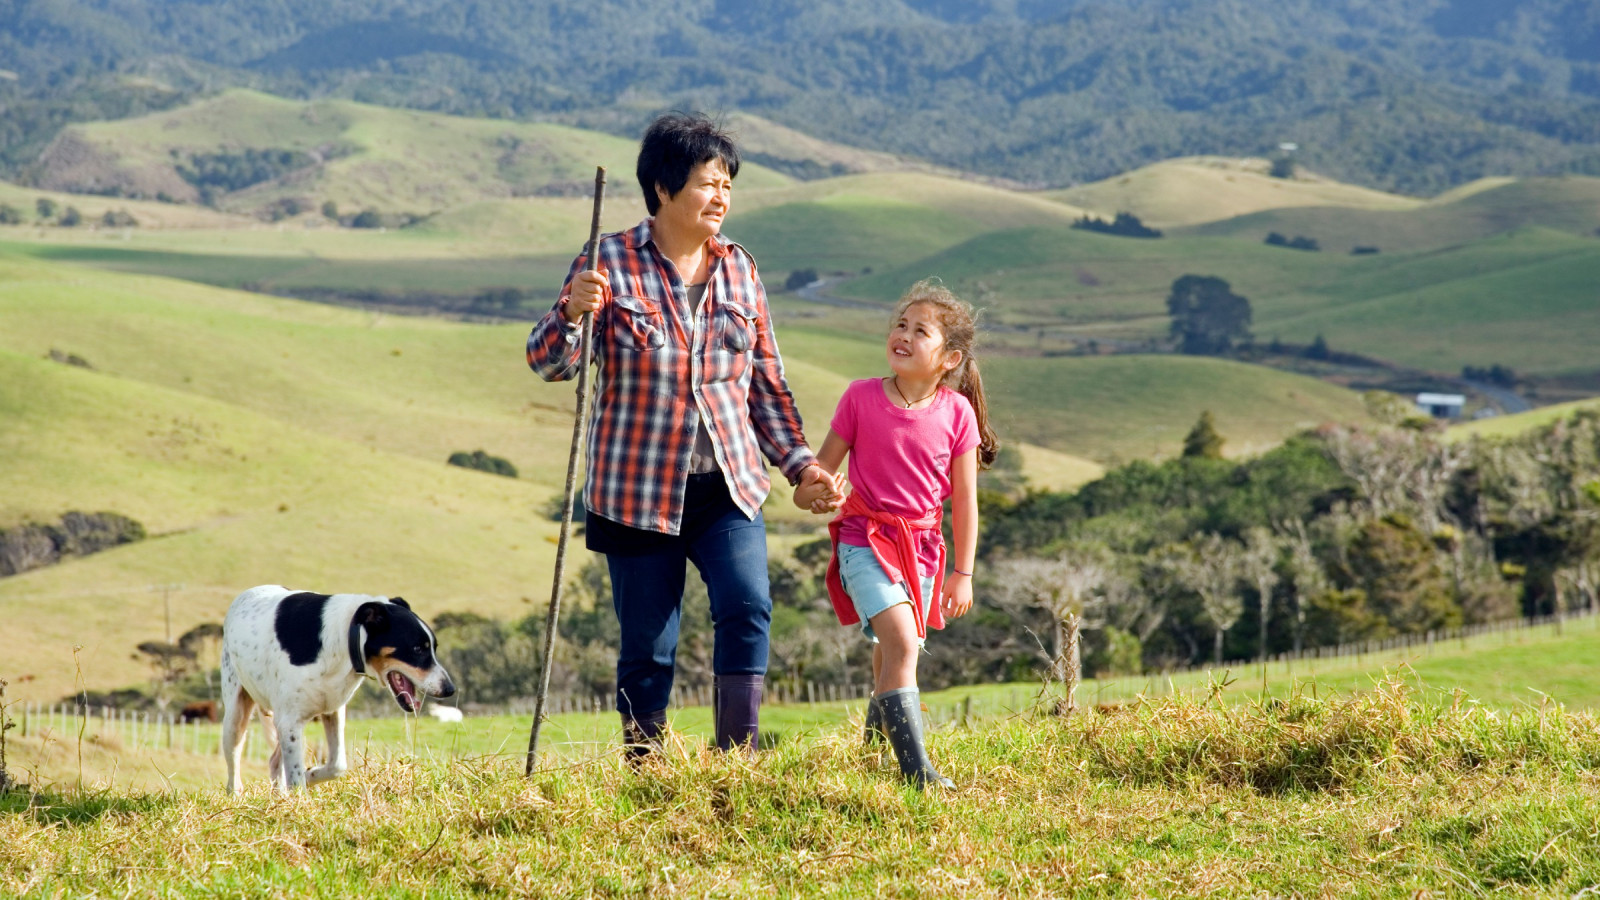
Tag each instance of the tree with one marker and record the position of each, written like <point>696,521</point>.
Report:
<point>1396,566</point>
<point>1212,569</point>
<point>1203,441</point>
<point>1310,579</point>
<point>1282,167</point>
<point>46,208</point>
<point>1318,349</point>
<point>330,209</point>
<point>1065,589</point>
<point>1207,316</point>
<point>71,218</point>
<point>1260,563</point>
<point>367,218</point>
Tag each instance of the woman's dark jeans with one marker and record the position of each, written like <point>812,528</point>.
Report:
<point>647,579</point>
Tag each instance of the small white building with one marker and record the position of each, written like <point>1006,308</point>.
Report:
<point>1441,406</point>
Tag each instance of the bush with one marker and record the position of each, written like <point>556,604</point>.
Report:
<point>10,215</point>
<point>119,218</point>
<point>227,172</point>
<point>1125,224</point>
<point>71,218</point>
<point>799,278</point>
<point>483,462</point>
<point>32,546</point>
<point>1298,242</point>
<point>367,218</point>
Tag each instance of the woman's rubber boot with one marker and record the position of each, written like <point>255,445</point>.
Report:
<point>873,733</point>
<point>736,705</point>
<point>902,721</point>
<point>641,732</point>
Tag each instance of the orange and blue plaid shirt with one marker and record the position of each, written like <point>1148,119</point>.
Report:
<point>659,362</point>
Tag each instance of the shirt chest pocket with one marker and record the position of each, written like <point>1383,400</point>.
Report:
<point>737,325</point>
<point>636,323</point>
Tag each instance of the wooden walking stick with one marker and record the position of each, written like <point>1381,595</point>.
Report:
<point>585,348</point>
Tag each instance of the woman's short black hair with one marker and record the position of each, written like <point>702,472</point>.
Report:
<point>674,144</point>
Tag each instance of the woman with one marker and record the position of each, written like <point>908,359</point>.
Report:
<point>690,396</point>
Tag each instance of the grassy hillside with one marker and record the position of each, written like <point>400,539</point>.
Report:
<point>1197,189</point>
<point>1059,275</point>
<point>232,498</point>
<point>148,213</point>
<point>358,156</point>
<point>1509,426</point>
<point>1522,299</point>
<point>1473,212</point>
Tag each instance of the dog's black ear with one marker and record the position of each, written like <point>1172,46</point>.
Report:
<point>400,602</point>
<point>373,617</point>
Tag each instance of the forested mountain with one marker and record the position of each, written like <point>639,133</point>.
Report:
<point>1409,96</point>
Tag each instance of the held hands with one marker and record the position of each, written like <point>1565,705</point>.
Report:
<point>957,595</point>
<point>587,292</point>
<point>820,491</point>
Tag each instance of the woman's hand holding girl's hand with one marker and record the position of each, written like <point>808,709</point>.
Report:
<point>586,293</point>
<point>833,497</point>
<point>819,490</point>
<point>957,598</point>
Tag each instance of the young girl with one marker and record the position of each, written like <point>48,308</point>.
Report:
<point>913,443</point>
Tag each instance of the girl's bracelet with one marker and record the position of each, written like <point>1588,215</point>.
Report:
<point>959,572</point>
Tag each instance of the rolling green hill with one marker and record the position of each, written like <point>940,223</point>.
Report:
<point>357,155</point>
<point>1524,298</point>
<point>1473,212</point>
<point>1200,189</point>
<point>1510,426</point>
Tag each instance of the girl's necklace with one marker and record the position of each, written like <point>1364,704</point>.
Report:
<point>895,383</point>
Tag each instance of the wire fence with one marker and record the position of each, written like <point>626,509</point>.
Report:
<point>129,730</point>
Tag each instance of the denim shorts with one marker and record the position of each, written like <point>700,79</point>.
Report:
<point>869,586</point>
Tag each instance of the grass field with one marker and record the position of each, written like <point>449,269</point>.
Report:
<point>1377,795</point>
<point>1551,669</point>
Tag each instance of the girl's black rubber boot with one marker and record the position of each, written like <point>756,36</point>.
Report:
<point>902,721</point>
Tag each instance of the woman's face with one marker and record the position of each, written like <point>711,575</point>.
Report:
<point>699,208</point>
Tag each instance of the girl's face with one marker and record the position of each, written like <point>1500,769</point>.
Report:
<point>916,345</point>
<point>703,203</point>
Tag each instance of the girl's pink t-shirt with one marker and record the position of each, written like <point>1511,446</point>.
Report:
<point>900,458</point>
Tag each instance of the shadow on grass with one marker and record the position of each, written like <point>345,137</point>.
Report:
<point>78,808</point>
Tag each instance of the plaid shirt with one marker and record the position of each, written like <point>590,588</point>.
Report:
<point>658,361</point>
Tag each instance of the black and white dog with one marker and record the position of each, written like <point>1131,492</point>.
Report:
<point>300,656</point>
